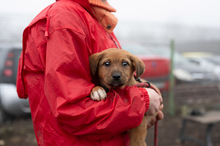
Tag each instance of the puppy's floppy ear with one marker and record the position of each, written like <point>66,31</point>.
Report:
<point>94,61</point>
<point>138,65</point>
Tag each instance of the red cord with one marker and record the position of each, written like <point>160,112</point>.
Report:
<point>147,85</point>
<point>156,133</point>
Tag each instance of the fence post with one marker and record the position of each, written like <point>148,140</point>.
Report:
<point>171,79</point>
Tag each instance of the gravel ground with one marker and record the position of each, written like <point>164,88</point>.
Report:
<point>20,132</point>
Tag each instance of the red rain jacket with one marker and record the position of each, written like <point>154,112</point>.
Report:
<point>54,74</point>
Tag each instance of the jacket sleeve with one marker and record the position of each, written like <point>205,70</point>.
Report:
<point>68,85</point>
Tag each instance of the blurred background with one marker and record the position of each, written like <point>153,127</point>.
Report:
<point>179,42</point>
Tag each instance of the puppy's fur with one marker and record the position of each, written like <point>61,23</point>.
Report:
<point>114,68</point>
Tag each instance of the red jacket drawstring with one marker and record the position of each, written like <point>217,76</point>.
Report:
<point>47,23</point>
<point>47,26</point>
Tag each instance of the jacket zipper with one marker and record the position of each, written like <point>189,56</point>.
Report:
<point>116,43</point>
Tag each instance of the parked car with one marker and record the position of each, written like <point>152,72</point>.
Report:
<point>206,60</point>
<point>10,105</point>
<point>215,59</point>
<point>157,68</point>
<point>184,71</point>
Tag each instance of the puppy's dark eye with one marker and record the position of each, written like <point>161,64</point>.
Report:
<point>124,63</point>
<point>107,63</point>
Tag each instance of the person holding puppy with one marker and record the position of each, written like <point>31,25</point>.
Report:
<point>54,74</point>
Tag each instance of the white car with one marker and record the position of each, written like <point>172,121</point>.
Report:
<point>184,71</point>
<point>10,105</point>
<point>205,60</point>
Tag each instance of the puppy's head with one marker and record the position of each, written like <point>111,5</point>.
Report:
<point>115,67</point>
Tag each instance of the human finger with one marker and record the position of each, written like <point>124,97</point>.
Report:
<point>160,115</point>
<point>151,123</point>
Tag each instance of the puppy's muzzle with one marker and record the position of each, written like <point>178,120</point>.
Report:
<point>116,76</point>
<point>116,79</point>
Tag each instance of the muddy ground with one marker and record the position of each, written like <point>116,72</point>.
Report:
<point>20,132</point>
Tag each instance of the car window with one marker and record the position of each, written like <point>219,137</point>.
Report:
<point>214,59</point>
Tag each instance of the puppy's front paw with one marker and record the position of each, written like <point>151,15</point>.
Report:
<point>98,93</point>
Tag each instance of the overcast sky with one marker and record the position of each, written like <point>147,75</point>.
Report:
<point>190,12</point>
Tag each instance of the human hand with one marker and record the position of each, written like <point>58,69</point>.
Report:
<point>155,102</point>
<point>155,106</point>
<point>159,116</point>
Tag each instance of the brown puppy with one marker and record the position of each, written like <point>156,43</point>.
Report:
<point>114,68</point>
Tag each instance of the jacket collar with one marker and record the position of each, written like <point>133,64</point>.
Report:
<point>84,3</point>
<point>105,18</point>
<point>103,4</point>
<point>108,21</point>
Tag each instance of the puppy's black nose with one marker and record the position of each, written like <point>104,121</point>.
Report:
<point>116,76</point>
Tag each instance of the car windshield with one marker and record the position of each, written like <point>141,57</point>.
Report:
<point>214,59</point>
